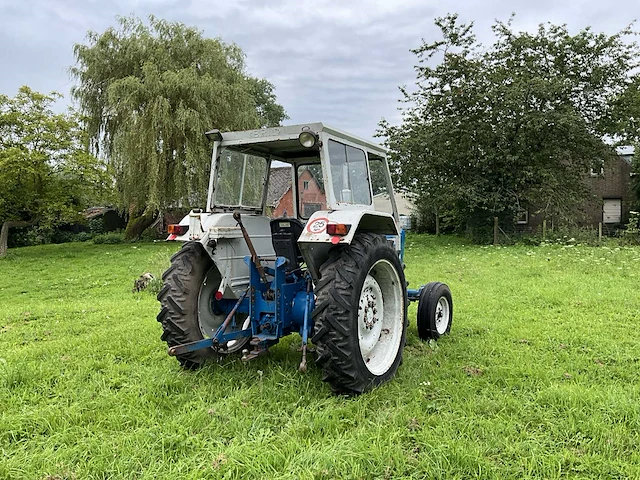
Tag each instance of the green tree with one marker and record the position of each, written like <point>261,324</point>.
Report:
<point>489,130</point>
<point>149,92</point>
<point>47,175</point>
<point>625,127</point>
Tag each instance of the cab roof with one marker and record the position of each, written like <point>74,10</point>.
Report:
<point>283,141</point>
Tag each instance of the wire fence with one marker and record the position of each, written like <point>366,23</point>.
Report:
<point>499,231</point>
<point>509,233</point>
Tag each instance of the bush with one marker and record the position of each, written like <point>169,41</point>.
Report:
<point>109,238</point>
<point>529,239</point>
<point>96,225</point>
<point>27,236</point>
<point>631,233</point>
<point>82,237</point>
<point>62,236</point>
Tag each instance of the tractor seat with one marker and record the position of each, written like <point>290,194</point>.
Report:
<point>284,236</point>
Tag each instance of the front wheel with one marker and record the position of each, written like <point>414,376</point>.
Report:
<point>435,311</point>
<point>360,319</point>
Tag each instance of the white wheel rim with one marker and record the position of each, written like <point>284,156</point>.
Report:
<point>443,314</point>
<point>209,321</point>
<point>380,317</point>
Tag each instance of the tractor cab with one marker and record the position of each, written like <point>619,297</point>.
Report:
<point>316,176</point>
<point>328,170</point>
<point>290,241</point>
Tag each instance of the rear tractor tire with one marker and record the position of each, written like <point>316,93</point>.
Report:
<point>360,319</point>
<point>435,311</point>
<point>187,313</point>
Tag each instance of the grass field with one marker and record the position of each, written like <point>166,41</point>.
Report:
<point>539,377</point>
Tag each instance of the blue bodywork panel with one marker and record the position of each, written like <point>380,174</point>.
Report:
<point>281,307</point>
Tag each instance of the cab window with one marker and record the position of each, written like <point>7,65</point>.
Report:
<point>311,194</point>
<point>349,174</point>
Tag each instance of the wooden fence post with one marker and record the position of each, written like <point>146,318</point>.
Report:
<point>495,230</point>
<point>544,230</point>
<point>600,232</point>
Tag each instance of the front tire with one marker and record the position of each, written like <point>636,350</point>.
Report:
<point>435,311</point>
<point>360,319</point>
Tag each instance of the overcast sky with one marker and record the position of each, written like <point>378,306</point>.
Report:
<point>337,62</point>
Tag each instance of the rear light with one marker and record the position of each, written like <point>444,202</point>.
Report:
<point>338,228</point>
<point>177,229</point>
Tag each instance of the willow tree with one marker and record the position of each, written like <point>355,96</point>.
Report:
<point>149,91</point>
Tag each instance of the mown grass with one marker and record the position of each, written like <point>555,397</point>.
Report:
<point>539,377</point>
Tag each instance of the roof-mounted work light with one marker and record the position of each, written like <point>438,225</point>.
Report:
<point>307,138</point>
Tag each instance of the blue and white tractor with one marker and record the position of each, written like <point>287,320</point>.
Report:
<point>324,260</point>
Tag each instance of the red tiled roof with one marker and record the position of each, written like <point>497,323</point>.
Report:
<point>279,183</point>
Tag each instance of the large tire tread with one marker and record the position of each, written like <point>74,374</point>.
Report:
<point>337,351</point>
<point>178,314</point>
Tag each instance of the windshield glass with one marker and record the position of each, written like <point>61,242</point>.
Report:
<point>240,178</point>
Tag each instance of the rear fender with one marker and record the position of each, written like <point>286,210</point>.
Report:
<point>315,243</point>
<point>223,241</point>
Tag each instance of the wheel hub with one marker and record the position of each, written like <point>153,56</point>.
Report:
<point>370,311</point>
<point>442,315</point>
<point>211,316</point>
<point>368,303</point>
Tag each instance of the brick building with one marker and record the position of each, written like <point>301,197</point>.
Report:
<point>280,196</point>
<point>279,185</point>
<point>611,194</point>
